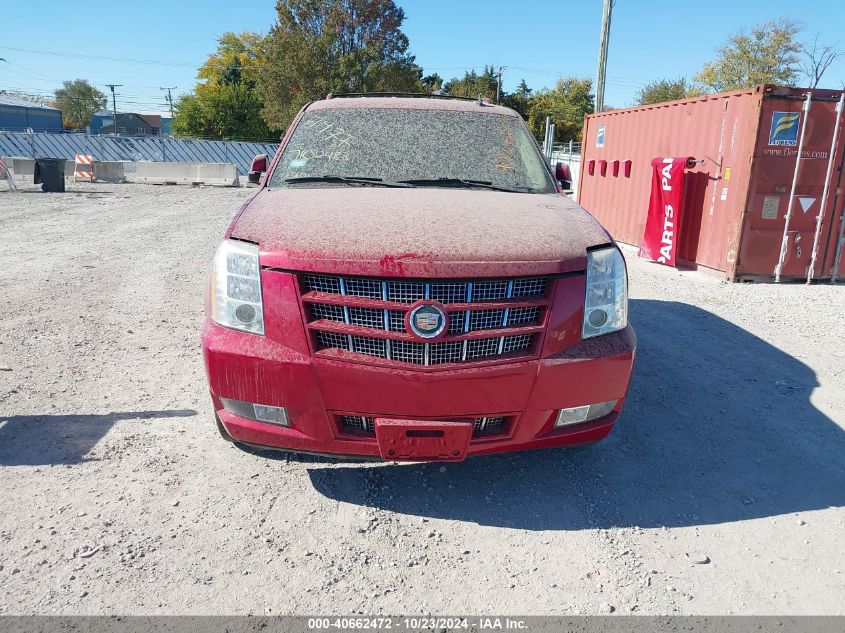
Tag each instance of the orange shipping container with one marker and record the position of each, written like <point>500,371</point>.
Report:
<point>737,195</point>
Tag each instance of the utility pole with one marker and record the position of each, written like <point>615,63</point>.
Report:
<point>602,67</point>
<point>499,84</point>
<point>169,98</point>
<point>114,104</point>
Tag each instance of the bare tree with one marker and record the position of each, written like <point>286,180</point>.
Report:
<point>817,58</point>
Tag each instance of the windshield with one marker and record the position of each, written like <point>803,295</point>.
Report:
<point>417,147</point>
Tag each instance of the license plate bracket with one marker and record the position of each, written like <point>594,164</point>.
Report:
<point>422,440</point>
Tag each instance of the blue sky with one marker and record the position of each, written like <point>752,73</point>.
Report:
<point>159,43</point>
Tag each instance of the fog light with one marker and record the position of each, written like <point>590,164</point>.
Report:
<point>245,313</point>
<point>273,415</point>
<point>597,318</point>
<point>260,412</point>
<point>576,415</point>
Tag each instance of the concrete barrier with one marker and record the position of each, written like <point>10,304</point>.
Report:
<point>108,171</point>
<point>23,167</point>
<point>26,167</point>
<point>225,174</point>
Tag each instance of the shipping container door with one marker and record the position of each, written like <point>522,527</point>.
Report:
<point>833,225</point>
<point>775,159</point>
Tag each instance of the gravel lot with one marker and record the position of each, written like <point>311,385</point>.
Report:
<point>721,490</point>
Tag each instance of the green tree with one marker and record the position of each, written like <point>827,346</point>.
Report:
<point>228,111</point>
<point>235,61</point>
<point>518,100</point>
<point>472,84</point>
<point>662,90</point>
<point>78,100</point>
<point>570,100</point>
<point>225,103</point>
<point>432,82</point>
<point>523,90</point>
<point>323,46</point>
<point>769,54</point>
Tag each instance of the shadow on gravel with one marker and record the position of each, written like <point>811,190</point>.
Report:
<point>718,427</point>
<point>42,440</point>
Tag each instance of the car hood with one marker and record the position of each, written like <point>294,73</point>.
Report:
<point>418,232</point>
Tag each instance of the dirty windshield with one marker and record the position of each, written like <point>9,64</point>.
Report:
<point>350,146</point>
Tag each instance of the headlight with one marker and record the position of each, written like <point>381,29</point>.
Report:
<point>606,303</point>
<point>236,283</point>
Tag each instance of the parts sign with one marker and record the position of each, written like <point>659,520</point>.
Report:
<point>660,240</point>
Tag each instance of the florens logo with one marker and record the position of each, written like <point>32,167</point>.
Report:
<point>784,130</point>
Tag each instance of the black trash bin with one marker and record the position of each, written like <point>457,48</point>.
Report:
<point>50,172</point>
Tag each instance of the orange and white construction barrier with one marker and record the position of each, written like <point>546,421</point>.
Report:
<point>6,175</point>
<point>84,167</point>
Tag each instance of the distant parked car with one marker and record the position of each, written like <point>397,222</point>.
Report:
<point>409,283</point>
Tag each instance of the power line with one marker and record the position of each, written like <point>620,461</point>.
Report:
<point>127,60</point>
<point>99,57</point>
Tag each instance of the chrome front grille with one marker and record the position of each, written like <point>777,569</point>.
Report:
<point>408,291</point>
<point>366,317</point>
<point>485,426</point>
<point>485,319</point>
<point>514,343</point>
<point>523,316</point>
<point>417,354</point>
<point>333,302</point>
<point>326,311</point>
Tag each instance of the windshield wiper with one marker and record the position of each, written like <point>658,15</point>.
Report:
<point>460,182</point>
<point>352,180</point>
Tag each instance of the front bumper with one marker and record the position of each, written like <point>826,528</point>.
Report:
<point>316,391</point>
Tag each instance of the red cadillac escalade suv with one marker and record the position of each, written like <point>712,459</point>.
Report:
<point>409,283</point>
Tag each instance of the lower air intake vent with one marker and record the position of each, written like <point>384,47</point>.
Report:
<point>481,427</point>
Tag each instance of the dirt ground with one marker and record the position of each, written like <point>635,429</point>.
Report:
<point>720,491</point>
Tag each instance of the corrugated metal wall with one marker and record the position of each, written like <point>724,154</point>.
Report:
<point>13,117</point>
<point>717,129</point>
<point>113,148</point>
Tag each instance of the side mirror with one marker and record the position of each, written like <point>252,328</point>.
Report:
<point>563,175</point>
<point>258,167</point>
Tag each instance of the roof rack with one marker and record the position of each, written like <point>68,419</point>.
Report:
<point>411,95</point>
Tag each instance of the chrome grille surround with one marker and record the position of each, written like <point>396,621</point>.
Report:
<point>481,426</point>
<point>378,304</point>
